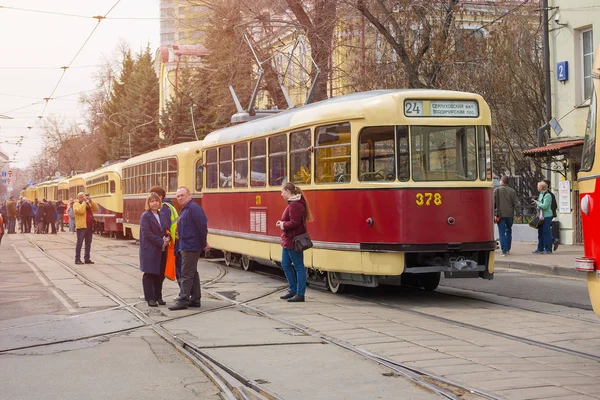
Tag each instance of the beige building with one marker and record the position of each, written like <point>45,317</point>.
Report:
<point>573,38</point>
<point>182,22</point>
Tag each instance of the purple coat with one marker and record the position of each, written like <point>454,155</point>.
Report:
<point>294,220</point>
<point>151,241</point>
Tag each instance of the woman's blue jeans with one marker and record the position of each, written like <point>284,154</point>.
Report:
<point>292,263</point>
<point>545,235</point>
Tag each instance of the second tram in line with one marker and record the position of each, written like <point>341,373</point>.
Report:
<point>399,183</point>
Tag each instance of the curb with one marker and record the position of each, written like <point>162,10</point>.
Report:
<point>542,269</point>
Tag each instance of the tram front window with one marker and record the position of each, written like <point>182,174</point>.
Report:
<point>443,153</point>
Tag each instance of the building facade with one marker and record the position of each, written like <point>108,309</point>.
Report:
<point>572,37</point>
<point>182,22</point>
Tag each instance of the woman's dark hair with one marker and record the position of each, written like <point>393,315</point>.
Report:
<point>159,191</point>
<point>293,189</point>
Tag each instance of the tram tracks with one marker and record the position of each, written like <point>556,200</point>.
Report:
<point>231,388</point>
<point>439,385</point>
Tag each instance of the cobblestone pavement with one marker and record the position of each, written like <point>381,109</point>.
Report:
<point>511,352</point>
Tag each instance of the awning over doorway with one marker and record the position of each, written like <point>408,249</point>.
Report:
<point>553,149</point>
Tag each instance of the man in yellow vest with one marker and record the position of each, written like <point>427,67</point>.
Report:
<point>84,210</point>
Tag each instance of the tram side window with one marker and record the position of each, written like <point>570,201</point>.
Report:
<point>485,154</point>
<point>300,157</point>
<point>199,170</point>
<point>332,153</point>
<point>377,154</point>
<point>278,160</point>
<point>589,144</point>
<point>403,155</point>
<point>225,167</point>
<point>443,153</point>
<point>258,163</point>
<point>240,165</point>
<point>113,187</point>
<point>212,175</point>
<point>172,174</point>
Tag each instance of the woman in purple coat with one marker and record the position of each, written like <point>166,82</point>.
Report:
<point>153,242</point>
<point>293,223</point>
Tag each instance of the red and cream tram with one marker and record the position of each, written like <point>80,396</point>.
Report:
<point>589,191</point>
<point>399,183</point>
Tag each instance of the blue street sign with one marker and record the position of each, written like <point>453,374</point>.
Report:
<point>4,181</point>
<point>562,71</point>
<point>3,173</point>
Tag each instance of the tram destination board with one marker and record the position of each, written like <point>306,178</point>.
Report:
<point>441,108</point>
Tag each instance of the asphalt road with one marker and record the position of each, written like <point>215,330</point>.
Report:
<point>516,284</point>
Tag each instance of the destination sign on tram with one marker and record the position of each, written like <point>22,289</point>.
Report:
<point>441,108</point>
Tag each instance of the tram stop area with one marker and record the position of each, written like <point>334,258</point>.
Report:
<point>72,331</point>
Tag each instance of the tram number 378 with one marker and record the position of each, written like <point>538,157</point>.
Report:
<point>428,199</point>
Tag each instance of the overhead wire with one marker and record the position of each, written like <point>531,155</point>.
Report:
<point>46,100</point>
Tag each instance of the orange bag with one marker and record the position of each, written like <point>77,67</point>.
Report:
<point>170,267</point>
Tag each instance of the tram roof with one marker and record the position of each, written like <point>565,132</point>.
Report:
<point>116,167</point>
<point>172,150</point>
<point>348,106</point>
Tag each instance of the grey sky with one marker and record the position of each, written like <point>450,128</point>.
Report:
<point>41,40</point>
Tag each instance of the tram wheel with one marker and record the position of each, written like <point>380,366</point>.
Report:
<point>430,280</point>
<point>247,263</point>
<point>334,287</point>
<point>228,257</point>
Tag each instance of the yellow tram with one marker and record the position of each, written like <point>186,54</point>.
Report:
<point>171,167</point>
<point>104,187</point>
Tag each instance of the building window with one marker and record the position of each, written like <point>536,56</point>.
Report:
<point>587,52</point>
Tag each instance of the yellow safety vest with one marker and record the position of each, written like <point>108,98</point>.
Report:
<point>174,217</point>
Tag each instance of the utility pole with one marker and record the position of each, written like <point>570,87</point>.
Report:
<point>548,94</point>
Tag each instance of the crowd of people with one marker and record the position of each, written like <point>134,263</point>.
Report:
<point>33,216</point>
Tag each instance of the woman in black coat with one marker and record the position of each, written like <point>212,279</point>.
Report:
<point>152,250</point>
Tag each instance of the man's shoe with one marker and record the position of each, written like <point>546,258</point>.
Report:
<point>178,306</point>
<point>89,262</point>
<point>161,302</point>
<point>78,262</point>
<point>296,299</point>
<point>152,303</point>
<point>195,304</point>
<point>289,295</point>
<point>556,243</point>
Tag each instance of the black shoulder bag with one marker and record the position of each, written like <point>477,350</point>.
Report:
<point>303,242</point>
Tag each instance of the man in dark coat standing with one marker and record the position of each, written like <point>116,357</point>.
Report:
<point>11,212</point>
<point>24,213</point>
<point>192,229</point>
<point>60,209</point>
<point>505,201</point>
<point>50,218</point>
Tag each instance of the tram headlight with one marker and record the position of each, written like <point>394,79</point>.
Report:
<point>585,204</point>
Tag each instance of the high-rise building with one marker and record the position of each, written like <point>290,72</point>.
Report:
<point>182,22</point>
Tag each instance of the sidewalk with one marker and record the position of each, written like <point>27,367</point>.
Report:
<point>561,262</point>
